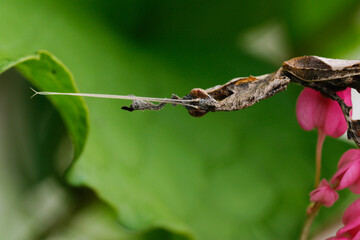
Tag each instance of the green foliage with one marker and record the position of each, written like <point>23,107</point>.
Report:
<point>166,175</point>
<point>47,73</point>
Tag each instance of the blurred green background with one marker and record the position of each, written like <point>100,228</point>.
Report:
<point>164,175</point>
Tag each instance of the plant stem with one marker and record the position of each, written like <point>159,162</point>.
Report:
<point>319,146</point>
<point>314,209</point>
<point>309,220</point>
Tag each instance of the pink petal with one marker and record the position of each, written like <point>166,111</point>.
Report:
<point>324,183</point>
<point>336,179</point>
<point>306,108</point>
<point>324,194</point>
<point>349,230</point>
<point>349,156</point>
<point>352,213</point>
<point>348,173</point>
<point>350,177</point>
<point>346,96</point>
<point>355,187</point>
<point>335,123</point>
<point>357,236</point>
<point>314,110</point>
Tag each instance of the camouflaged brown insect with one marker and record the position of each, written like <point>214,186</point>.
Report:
<point>325,75</point>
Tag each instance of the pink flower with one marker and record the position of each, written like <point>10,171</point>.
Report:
<point>324,194</point>
<point>348,173</point>
<point>351,220</point>
<point>315,111</point>
<point>352,213</point>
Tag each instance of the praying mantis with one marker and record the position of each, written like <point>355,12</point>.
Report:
<point>325,75</point>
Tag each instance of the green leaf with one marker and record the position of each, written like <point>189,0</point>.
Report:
<point>45,72</point>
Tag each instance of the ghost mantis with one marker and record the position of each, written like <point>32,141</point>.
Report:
<point>325,75</point>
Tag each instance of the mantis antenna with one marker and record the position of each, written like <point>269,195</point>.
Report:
<point>183,102</point>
